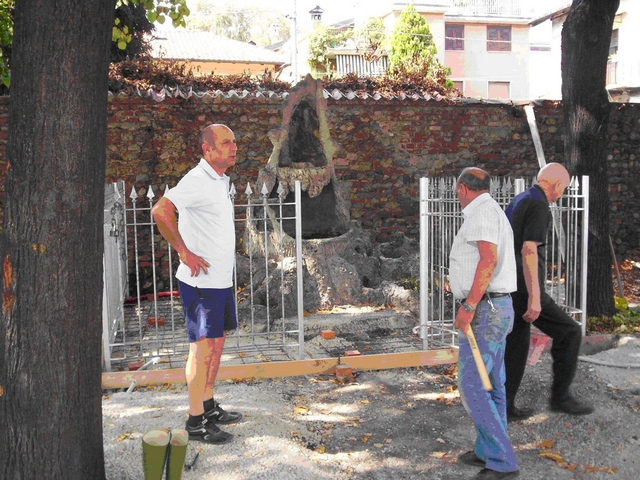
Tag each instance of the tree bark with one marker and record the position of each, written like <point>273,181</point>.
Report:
<point>586,36</point>
<point>52,244</point>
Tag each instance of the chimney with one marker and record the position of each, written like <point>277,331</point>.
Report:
<point>316,14</point>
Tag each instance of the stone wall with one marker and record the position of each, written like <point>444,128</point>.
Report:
<point>386,146</point>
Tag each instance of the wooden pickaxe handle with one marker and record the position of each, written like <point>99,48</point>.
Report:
<point>477,356</point>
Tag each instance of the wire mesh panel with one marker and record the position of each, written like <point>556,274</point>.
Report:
<point>152,322</point>
<point>440,219</point>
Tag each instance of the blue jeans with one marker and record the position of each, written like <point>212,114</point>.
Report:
<point>488,410</point>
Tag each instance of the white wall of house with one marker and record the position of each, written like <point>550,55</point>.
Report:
<point>490,74</point>
<point>624,65</point>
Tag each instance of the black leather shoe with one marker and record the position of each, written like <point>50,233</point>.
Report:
<point>514,413</point>
<point>470,458</point>
<point>571,406</point>
<point>488,474</point>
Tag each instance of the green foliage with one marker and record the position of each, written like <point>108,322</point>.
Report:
<point>123,32</point>
<point>6,39</point>
<point>371,40</point>
<point>625,321</point>
<point>239,23</point>
<point>134,19</point>
<point>157,12</point>
<point>410,283</point>
<point>411,41</point>
<point>321,41</point>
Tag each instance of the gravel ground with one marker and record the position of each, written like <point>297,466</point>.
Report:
<point>390,424</point>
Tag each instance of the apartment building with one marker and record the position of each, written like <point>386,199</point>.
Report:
<point>623,68</point>
<point>484,42</point>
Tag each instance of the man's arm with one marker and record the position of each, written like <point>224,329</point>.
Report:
<point>530,270</point>
<point>164,214</point>
<point>484,271</point>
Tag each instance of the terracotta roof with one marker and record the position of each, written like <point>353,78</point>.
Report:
<point>202,46</point>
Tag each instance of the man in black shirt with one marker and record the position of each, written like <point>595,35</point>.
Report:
<point>529,215</point>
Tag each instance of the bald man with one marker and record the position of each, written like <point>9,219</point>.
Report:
<point>530,217</point>
<point>204,237</point>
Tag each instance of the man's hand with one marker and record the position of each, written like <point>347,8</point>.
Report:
<point>463,319</point>
<point>533,310</point>
<point>194,262</point>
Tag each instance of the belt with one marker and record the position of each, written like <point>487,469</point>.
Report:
<point>497,295</point>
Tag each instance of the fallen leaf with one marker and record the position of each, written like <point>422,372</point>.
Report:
<point>438,454</point>
<point>378,445</point>
<point>321,449</point>
<point>301,410</point>
<point>546,443</point>
<point>552,455</point>
<point>365,401</point>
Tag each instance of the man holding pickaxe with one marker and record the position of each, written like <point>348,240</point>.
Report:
<point>483,273</point>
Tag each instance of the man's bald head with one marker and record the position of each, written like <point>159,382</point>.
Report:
<point>553,178</point>
<point>475,179</point>
<point>209,133</point>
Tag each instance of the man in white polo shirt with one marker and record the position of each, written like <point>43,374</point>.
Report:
<point>482,273</point>
<point>204,236</point>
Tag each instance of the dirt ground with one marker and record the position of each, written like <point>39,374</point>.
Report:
<point>412,425</point>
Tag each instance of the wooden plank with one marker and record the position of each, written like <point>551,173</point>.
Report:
<point>287,369</point>
<point>402,360</point>
<point>226,372</point>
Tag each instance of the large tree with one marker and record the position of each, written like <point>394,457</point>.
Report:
<point>51,242</point>
<point>586,36</point>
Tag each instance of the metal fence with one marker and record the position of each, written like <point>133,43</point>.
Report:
<point>440,219</point>
<point>145,321</point>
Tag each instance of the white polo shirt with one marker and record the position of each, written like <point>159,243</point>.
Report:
<point>484,220</point>
<point>205,222</point>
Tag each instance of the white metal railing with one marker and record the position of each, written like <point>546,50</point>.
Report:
<point>509,8</point>
<point>440,219</point>
<point>621,72</point>
<point>151,322</point>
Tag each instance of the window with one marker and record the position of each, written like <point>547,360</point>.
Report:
<point>498,39</point>
<point>453,37</point>
<point>498,90</point>
<point>613,46</point>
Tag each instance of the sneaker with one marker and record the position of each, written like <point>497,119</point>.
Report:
<point>571,406</point>
<point>514,413</point>
<point>470,458</point>
<point>218,415</point>
<point>207,432</point>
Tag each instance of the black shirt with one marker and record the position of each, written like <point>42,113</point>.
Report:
<point>529,215</point>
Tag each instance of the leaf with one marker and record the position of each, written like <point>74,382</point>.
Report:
<point>546,444</point>
<point>553,455</point>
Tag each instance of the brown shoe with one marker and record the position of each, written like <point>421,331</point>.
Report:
<point>470,458</point>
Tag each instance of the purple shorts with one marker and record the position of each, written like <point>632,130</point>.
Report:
<point>208,312</point>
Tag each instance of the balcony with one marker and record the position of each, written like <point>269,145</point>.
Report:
<point>623,73</point>
<point>498,8</point>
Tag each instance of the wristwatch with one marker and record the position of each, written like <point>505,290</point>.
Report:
<point>467,308</point>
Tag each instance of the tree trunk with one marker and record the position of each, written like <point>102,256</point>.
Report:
<point>586,36</point>
<point>51,243</point>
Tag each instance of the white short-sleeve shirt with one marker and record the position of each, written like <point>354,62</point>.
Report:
<point>484,220</point>
<point>205,222</point>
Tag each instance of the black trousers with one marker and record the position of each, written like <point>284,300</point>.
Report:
<point>566,335</point>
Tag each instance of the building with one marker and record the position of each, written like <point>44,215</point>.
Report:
<point>485,43</point>
<point>209,53</point>
<point>623,68</point>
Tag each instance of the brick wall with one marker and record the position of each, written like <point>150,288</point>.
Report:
<point>386,146</point>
